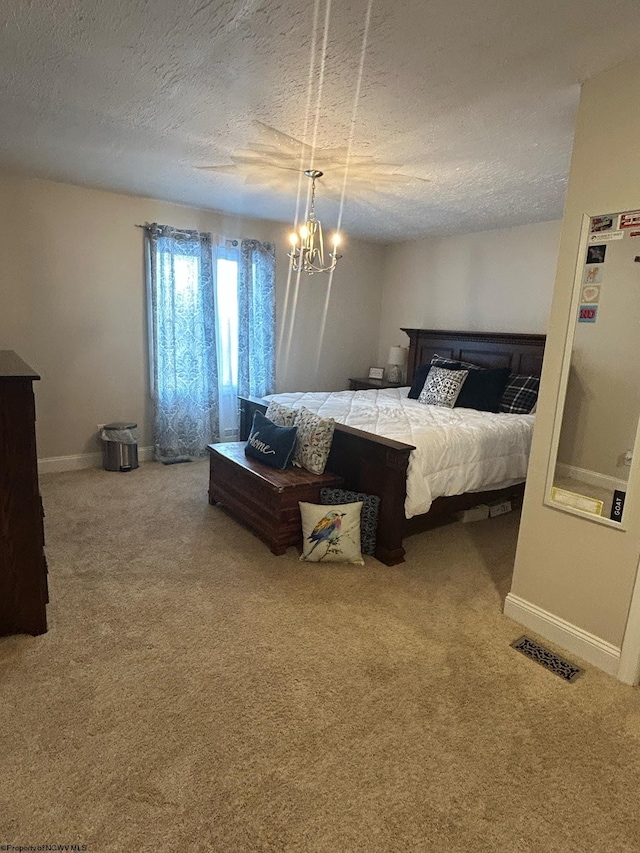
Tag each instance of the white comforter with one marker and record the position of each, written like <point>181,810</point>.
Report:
<point>456,450</point>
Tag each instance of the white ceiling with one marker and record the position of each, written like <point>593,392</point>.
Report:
<point>462,117</point>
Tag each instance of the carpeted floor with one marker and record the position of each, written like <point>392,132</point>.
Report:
<point>196,693</point>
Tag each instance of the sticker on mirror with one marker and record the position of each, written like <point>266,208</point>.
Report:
<point>601,223</point>
<point>588,314</point>
<point>591,294</point>
<point>576,501</point>
<point>608,236</point>
<point>629,220</point>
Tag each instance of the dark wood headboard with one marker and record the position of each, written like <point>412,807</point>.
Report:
<point>520,353</point>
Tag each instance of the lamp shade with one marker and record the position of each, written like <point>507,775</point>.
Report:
<point>398,355</point>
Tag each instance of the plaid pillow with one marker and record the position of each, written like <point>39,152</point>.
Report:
<point>521,395</point>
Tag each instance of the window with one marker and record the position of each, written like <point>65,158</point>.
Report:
<point>227,324</point>
<point>211,334</point>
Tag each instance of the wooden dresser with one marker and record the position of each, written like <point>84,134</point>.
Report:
<point>23,568</point>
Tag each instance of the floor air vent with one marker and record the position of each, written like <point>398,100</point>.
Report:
<point>549,660</point>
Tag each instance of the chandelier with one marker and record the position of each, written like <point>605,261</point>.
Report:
<point>307,244</point>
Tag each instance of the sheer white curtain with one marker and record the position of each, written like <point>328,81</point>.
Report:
<point>226,277</point>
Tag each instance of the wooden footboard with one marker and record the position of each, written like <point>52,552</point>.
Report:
<point>367,463</point>
<point>376,466</point>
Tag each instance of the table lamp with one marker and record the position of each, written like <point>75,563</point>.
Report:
<point>397,360</point>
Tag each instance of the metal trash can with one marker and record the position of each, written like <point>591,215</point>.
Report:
<point>120,442</point>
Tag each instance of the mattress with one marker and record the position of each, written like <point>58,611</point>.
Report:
<point>456,450</point>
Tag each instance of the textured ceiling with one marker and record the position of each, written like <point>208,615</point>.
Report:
<point>427,117</point>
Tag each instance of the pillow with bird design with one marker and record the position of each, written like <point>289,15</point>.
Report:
<point>331,534</point>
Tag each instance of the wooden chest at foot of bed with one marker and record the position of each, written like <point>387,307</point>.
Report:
<point>264,498</point>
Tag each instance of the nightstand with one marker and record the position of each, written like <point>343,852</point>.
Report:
<point>367,384</point>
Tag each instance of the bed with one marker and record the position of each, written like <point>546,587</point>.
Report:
<point>380,464</point>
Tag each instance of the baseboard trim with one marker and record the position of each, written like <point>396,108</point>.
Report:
<point>57,464</point>
<point>602,481</point>
<point>587,646</point>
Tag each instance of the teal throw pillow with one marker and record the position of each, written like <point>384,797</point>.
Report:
<point>271,444</point>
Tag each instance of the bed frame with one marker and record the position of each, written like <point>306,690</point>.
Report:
<point>378,466</point>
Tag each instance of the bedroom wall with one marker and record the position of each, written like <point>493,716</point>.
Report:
<point>72,304</point>
<point>568,568</point>
<point>489,281</point>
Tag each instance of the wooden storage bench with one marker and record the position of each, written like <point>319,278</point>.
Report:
<point>264,498</point>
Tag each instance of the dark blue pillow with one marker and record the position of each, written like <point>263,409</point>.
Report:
<point>271,444</point>
<point>419,378</point>
<point>483,388</point>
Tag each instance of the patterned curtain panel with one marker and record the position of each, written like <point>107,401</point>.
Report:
<point>256,318</point>
<point>184,369</point>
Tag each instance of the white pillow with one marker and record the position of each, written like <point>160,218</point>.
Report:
<point>442,387</point>
<point>331,534</point>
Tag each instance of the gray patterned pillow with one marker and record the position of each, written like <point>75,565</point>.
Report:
<point>315,435</point>
<point>442,387</point>
<point>280,415</point>
<point>368,516</point>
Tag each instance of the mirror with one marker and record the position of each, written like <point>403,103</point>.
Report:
<point>599,403</point>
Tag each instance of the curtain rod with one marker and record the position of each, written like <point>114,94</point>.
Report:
<point>230,242</point>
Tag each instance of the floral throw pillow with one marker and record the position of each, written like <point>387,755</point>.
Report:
<point>280,415</point>
<point>331,534</point>
<point>442,387</point>
<point>313,444</point>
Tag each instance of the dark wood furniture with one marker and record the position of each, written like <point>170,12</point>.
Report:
<point>264,498</point>
<point>23,568</point>
<point>378,466</point>
<point>366,384</point>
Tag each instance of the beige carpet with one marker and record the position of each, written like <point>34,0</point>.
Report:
<point>196,693</point>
